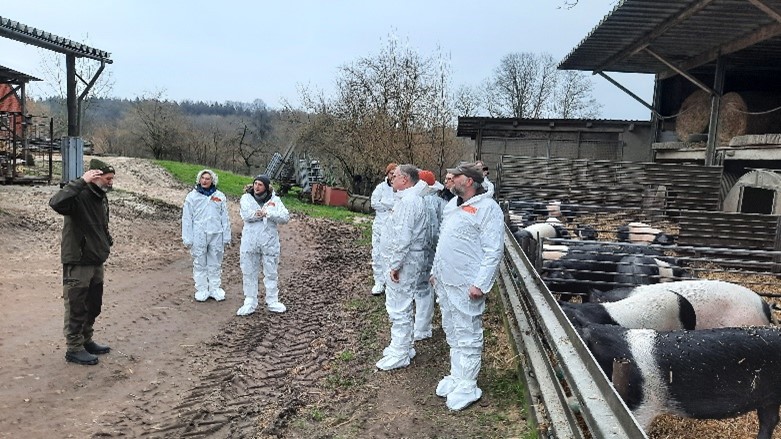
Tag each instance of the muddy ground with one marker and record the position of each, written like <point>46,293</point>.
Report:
<point>184,369</point>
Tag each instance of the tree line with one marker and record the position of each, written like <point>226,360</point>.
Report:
<point>395,106</point>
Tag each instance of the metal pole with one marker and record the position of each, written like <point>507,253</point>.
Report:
<point>715,110</point>
<point>70,73</point>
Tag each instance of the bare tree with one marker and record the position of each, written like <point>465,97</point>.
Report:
<point>572,97</point>
<point>159,126</point>
<point>521,85</point>
<point>527,85</point>
<point>55,84</point>
<point>387,107</point>
<point>467,101</point>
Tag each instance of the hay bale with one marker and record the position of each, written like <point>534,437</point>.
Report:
<point>733,118</point>
<point>693,116</point>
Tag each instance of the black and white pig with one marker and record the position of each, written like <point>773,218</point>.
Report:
<point>530,238</point>
<point>589,266</point>
<point>644,270</point>
<point>705,374</point>
<point>642,233</point>
<point>662,312</point>
<point>717,303</point>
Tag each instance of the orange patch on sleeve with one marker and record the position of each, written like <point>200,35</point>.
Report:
<point>216,199</point>
<point>469,209</point>
<point>271,204</point>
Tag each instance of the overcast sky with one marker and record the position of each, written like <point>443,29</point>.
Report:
<point>234,50</point>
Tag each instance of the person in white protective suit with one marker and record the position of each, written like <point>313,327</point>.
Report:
<point>468,253</point>
<point>262,210</point>
<point>424,293</point>
<point>382,201</point>
<point>402,246</point>
<point>206,230</point>
<point>487,185</point>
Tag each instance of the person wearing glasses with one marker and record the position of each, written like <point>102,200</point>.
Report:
<point>446,194</point>
<point>487,185</point>
<point>469,250</point>
<point>382,201</point>
<point>402,246</point>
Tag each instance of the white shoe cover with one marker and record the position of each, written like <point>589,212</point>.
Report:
<point>445,386</point>
<point>387,351</point>
<point>218,295</point>
<point>378,290</point>
<point>462,396</point>
<point>278,307</point>
<point>250,305</point>
<point>201,295</point>
<point>390,362</point>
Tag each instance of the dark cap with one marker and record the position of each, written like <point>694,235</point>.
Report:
<point>101,166</point>
<point>471,170</point>
<point>263,178</point>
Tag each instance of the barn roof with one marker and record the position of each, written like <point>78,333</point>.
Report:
<point>512,127</point>
<point>10,76</point>
<point>648,36</point>
<point>37,37</point>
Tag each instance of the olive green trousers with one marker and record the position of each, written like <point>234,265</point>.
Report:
<point>82,291</point>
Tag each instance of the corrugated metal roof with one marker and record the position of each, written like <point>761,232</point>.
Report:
<point>512,127</point>
<point>13,77</point>
<point>686,33</point>
<point>37,37</point>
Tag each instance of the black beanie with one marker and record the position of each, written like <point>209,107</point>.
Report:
<point>101,166</point>
<point>266,181</point>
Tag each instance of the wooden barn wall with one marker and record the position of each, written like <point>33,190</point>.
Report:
<point>584,144</point>
<point>606,182</point>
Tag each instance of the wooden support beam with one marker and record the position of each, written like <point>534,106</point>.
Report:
<point>680,71</point>
<point>627,91</point>
<point>766,9</point>
<point>761,34</point>
<point>653,35</point>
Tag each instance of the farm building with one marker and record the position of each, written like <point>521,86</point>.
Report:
<point>19,146</point>
<point>705,167</point>
<point>716,101</point>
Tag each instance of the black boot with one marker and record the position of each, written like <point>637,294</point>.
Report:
<point>81,357</point>
<point>96,349</point>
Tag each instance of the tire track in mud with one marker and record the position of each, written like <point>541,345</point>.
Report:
<point>259,371</point>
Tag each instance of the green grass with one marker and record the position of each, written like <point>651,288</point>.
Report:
<point>232,184</point>
<point>346,356</point>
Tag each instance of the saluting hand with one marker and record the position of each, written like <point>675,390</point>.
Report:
<point>91,175</point>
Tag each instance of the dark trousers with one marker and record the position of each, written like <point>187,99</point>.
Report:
<point>82,291</point>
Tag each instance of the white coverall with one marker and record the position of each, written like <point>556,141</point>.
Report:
<point>206,230</point>
<point>468,254</point>
<point>488,186</point>
<point>260,244</point>
<point>424,297</point>
<point>402,247</point>
<point>382,202</point>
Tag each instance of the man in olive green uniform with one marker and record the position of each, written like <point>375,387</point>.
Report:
<point>86,243</point>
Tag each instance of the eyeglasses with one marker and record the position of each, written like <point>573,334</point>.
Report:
<point>448,178</point>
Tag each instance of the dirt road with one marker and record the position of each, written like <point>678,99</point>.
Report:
<point>184,369</point>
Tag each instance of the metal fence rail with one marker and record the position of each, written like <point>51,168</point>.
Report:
<point>550,347</point>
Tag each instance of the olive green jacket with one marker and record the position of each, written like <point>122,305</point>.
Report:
<point>85,236</point>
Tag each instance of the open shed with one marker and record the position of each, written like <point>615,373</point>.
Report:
<point>720,48</point>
